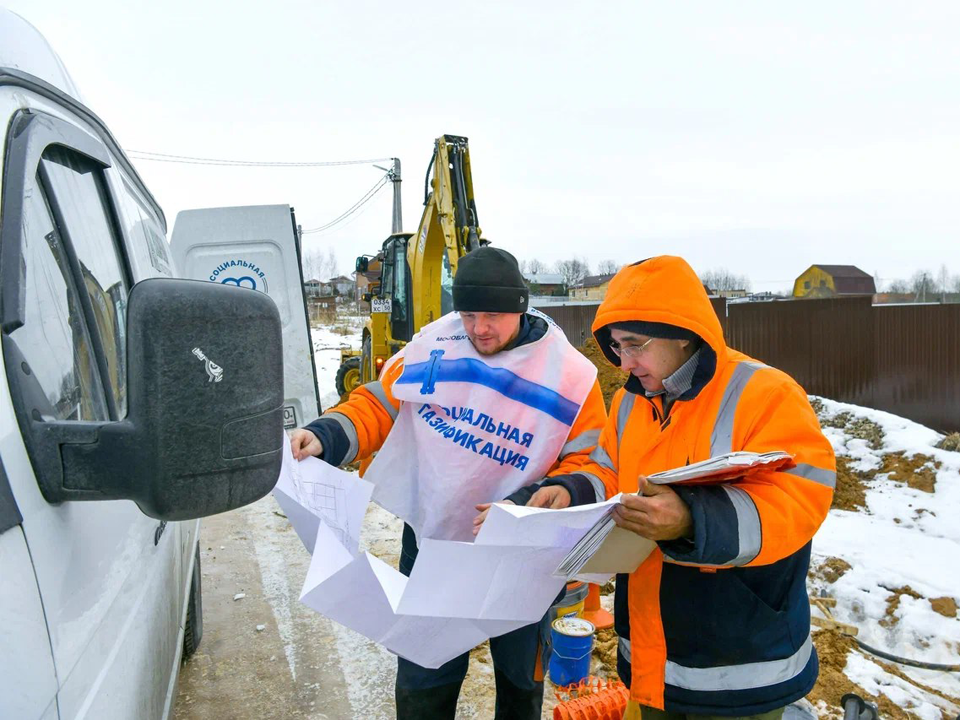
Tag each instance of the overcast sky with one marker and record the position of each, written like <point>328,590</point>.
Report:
<point>759,136</point>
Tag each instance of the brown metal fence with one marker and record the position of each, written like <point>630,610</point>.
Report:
<point>901,358</point>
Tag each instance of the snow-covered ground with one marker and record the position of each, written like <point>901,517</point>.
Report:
<point>903,550</point>
<point>327,344</point>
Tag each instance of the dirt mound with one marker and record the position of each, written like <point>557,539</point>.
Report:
<point>611,379</point>
<point>893,602</point>
<point>831,569</point>
<point>850,493</point>
<point>946,606</point>
<point>950,442</point>
<point>918,471</point>
<point>833,649</point>
<point>605,650</point>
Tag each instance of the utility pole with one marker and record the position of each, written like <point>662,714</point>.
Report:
<point>394,174</point>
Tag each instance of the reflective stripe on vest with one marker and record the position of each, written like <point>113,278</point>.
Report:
<point>817,475</point>
<point>623,413</point>
<point>350,431</point>
<point>748,524</point>
<point>582,441</point>
<point>602,458</point>
<point>598,487</point>
<point>375,388</point>
<point>721,440</point>
<point>739,677</point>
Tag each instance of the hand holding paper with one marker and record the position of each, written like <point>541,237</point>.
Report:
<point>657,513</point>
<point>606,548</point>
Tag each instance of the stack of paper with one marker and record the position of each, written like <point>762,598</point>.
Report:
<point>608,549</point>
<point>723,467</point>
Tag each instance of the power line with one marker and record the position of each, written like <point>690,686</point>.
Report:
<point>367,197</point>
<point>189,160</point>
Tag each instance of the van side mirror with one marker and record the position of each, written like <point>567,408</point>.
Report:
<point>204,427</point>
<point>362,264</point>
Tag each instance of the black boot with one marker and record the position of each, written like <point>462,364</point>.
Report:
<point>436,703</point>
<point>514,703</point>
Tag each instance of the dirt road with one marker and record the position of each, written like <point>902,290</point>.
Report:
<point>299,665</point>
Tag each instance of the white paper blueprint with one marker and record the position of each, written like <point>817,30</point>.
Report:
<point>311,490</point>
<point>459,593</point>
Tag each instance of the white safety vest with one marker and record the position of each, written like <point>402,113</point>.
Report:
<point>475,428</point>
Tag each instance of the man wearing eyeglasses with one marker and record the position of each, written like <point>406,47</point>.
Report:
<point>489,403</point>
<point>716,621</point>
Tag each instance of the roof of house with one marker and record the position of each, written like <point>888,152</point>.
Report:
<point>596,280</point>
<point>849,279</point>
<point>543,278</point>
<point>844,271</point>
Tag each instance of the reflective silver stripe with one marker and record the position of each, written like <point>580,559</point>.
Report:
<point>739,677</point>
<point>598,486</point>
<point>817,475</point>
<point>351,431</point>
<point>623,645</point>
<point>623,412</point>
<point>602,458</point>
<point>580,442</point>
<point>376,389</point>
<point>721,440</point>
<point>748,524</point>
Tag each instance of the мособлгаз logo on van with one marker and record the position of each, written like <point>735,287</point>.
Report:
<point>241,273</point>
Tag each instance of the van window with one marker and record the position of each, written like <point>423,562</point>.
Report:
<point>79,201</point>
<point>54,339</point>
<point>136,221</point>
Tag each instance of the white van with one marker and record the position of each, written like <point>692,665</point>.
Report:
<point>257,247</point>
<point>131,404</point>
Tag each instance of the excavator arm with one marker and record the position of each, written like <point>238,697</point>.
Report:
<point>411,278</point>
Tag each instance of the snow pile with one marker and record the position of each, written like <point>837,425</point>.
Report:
<point>889,553</point>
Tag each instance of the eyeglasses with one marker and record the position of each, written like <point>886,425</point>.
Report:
<point>631,351</point>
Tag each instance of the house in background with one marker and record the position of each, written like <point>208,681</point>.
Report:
<point>730,294</point>
<point>544,283</point>
<point>823,281</point>
<point>341,285</point>
<point>311,288</point>
<point>593,287</point>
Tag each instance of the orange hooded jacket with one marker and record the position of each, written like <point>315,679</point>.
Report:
<point>718,624</point>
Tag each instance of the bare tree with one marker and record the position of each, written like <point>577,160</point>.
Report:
<point>607,267</point>
<point>313,265</point>
<point>901,287</point>
<point>943,284</point>
<point>955,284</point>
<point>721,279</point>
<point>534,266</point>
<point>572,271</point>
<point>330,264</point>
<point>923,286</point>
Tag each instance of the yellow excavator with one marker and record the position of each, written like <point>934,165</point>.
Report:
<point>411,278</point>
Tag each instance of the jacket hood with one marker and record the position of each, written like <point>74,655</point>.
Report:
<point>666,290</point>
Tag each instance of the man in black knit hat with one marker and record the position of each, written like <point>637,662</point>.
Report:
<point>489,403</point>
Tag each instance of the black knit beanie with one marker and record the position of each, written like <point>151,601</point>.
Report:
<point>489,280</point>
